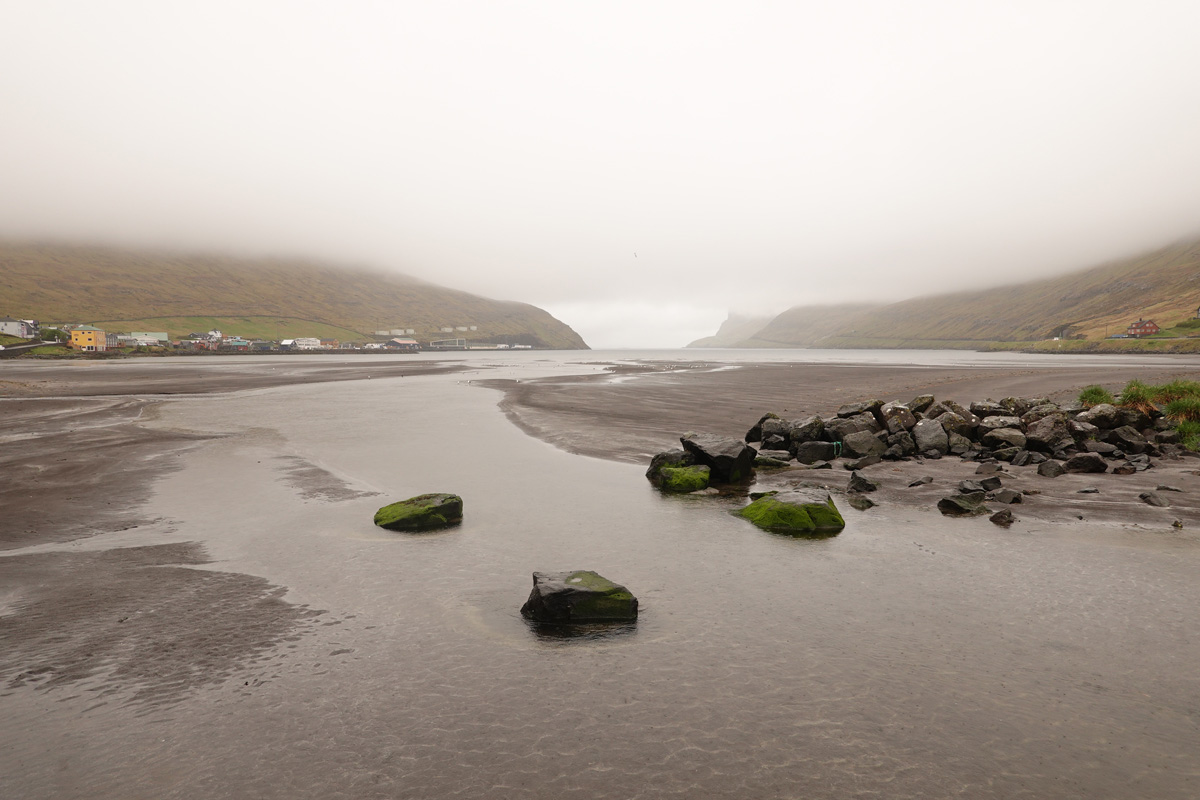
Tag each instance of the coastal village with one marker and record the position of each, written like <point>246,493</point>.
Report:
<point>83,338</point>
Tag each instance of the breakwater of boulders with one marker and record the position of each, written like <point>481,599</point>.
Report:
<point>1021,431</point>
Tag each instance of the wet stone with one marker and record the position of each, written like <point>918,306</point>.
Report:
<point>582,596</point>
<point>1154,499</point>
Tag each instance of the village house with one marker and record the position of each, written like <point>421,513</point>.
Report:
<point>1143,327</point>
<point>88,339</point>
<point>405,344</point>
<point>22,328</point>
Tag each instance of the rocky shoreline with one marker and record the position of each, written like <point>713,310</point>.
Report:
<point>1015,447</point>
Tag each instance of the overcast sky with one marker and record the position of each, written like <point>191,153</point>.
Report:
<point>638,169</point>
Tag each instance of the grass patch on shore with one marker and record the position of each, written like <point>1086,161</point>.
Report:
<point>1177,400</point>
<point>1095,395</point>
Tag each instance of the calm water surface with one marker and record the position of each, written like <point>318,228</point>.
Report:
<point>907,657</point>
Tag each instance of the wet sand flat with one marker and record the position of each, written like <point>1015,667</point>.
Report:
<point>921,658</point>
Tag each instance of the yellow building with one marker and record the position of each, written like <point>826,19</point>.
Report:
<point>88,339</point>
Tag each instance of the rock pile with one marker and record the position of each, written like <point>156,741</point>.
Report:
<point>1016,429</point>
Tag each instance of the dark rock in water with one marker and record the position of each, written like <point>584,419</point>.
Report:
<point>866,407</point>
<point>963,505</point>
<point>1124,469</point>
<point>858,483</point>
<point>921,481</point>
<point>799,512</point>
<point>859,502</point>
<point>1022,458</point>
<point>1154,499</point>
<point>862,463</point>
<point>930,435</point>
<point>730,460</point>
<point>755,433</point>
<point>893,453</point>
<point>933,454</point>
<point>683,480</point>
<point>1103,415</point>
<point>567,598</point>
<point>1088,490</point>
<point>1003,518</point>
<point>921,403</point>
<point>990,468</point>
<point>820,465</point>
<point>1008,496</point>
<point>1085,462</point>
<point>770,459</point>
<point>812,452</point>
<point>426,512</point>
<point>668,458</point>
<point>991,484</point>
<point>862,443</point>
<point>1162,487</point>
<point>1050,469</point>
<point>969,487</point>
<point>1003,437</point>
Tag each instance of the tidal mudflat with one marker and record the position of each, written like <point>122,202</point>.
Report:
<point>197,604</point>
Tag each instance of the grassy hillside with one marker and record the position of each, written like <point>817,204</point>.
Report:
<point>1163,285</point>
<point>145,290</point>
<point>1093,303</point>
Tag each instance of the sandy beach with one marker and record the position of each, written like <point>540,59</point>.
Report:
<point>79,462</point>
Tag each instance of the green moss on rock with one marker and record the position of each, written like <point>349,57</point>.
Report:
<point>684,479</point>
<point>422,513</point>
<point>578,597</point>
<point>800,512</point>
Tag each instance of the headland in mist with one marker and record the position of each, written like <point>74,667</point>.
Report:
<point>1077,312</point>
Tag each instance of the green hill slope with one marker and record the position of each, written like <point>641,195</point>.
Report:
<point>1163,285</point>
<point>145,290</point>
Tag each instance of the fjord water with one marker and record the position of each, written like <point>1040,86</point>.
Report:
<point>910,656</point>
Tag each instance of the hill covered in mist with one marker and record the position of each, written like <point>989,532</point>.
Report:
<point>149,290</point>
<point>1163,285</point>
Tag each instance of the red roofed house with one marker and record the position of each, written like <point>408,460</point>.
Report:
<point>1143,327</point>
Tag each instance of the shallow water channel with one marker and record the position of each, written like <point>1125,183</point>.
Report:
<point>910,656</point>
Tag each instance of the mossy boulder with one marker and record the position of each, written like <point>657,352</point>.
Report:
<point>798,512</point>
<point>425,512</point>
<point>682,480</point>
<point>668,459</point>
<point>731,460</point>
<point>582,596</point>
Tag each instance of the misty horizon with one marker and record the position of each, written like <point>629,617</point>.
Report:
<point>637,171</point>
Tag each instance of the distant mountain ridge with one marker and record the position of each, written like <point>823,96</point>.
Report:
<point>74,283</point>
<point>1091,303</point>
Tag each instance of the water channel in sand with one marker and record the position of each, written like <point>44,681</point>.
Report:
<point>910,656</point>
